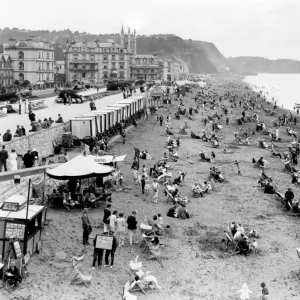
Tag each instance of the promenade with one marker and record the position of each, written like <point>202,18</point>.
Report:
<point>10,121</point>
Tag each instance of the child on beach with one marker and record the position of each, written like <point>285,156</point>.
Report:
<point>155,187</point>
<point>265,292</point>
<point>147,186</point>
<point>160,220</point>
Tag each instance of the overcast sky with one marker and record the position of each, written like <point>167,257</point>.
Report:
<point>268,28</point>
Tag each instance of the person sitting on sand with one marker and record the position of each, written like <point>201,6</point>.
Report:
<point>173,211</point>
<point>183,213</point>
<point>196,189</point>
<point>194,136</point>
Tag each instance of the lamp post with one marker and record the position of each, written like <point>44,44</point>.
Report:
<point>56,74</point>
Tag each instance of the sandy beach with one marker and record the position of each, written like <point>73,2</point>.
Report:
<point>196,264</point>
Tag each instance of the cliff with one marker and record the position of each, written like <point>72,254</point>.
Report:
<point>249,64</point>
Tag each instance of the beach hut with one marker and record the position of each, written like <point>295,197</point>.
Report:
<point>131,105</point>
<point>118,112</point>
<point>20,226</point>
<point>110,116</point>
<point>125,109</point>
<point>83,126</point>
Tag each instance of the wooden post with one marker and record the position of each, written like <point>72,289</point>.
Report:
<point>29,184</point>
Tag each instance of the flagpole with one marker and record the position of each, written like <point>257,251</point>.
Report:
<point>28,198</point>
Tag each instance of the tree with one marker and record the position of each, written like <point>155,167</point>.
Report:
<point>25,83</point>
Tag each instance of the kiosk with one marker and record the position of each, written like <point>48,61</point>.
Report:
<point>21,223</point>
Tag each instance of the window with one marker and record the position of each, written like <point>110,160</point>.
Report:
<point>83,66</point>
<point>83,56</point>
<point>105,66</point>
<point>105,50</point>
<point>75,49</point>
<point>121,57</point>
<point>105,75</point>
<point>152,71</point>
<point>48,66</point>
<point>47,55</point>
<point>52,55</point>
<point>39,66</point>
<point>75,66</point>
<point>52,66</point>
<point>21,55</point>
<point>75,56</point>
<point>113,57</point>
<point>83,75</point>
<point>121,65</point>
<point>151,61</point>
<point>137,60</point>
<point>121,50</point>
<point>169,70</point>
<point>104,57</point>
<point>122,74</point>
<point>113,50</point>
<point>92,57</point>
<point>21,77</point>
<point>145,60</point>
<point>21,65</point>
<point>47,78</point>
<point>39,54</point>
<point>113,65</point>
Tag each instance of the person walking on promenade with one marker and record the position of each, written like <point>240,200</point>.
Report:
<point>29,108</point>
<point>3,159</point>
<point>86,226</point>
<point>132,226</point>
<point>111,252</point>
<point>107,213</point>
<point>295,120</point>
<point>98,255</point>
<point>161,119</point>
<point>227,121</point>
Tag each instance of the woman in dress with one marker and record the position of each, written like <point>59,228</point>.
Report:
<point>13,160</point>
<point>144,171</point>
<point>121,229</point>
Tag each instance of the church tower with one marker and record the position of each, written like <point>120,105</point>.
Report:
<point>122,36</point>
<point>134,42</point>
<point>129,41</point>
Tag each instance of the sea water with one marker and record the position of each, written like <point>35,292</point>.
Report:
<point>282,88</point>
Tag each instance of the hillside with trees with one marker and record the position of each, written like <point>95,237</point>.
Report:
<point>201,57</point>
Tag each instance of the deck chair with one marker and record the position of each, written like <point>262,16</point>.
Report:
<point>153,253</point>
<point>79,277</point>
<point>126,294</point>
<point>231,241</point>
<point>170,198</point>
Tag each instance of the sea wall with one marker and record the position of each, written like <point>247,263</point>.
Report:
<point>41,140</point>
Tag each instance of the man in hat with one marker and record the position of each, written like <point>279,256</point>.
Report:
<point>3,159</point>
<point>288,197</point>
<point>13,273</point>
<point>7,136</point>
<point>86,226</point>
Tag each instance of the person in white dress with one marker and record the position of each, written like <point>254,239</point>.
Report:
<point>13,160</point>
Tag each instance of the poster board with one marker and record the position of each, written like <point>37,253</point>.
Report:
<point>14,230</point>
<point>104,241</point>
<point>17,249</point>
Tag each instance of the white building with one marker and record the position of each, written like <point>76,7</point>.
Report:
<point>32,60</point>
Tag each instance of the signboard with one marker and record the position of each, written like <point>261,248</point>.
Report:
<point>104,242</point>
<point>10,206</point>
<point>14,230</point>
<point>17,249</point>
<point>102,160</point>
